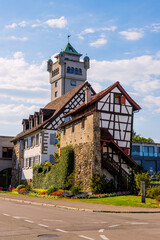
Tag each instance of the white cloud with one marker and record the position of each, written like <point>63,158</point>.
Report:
<point>93,30</point>
<point>155,27</point>
<point>112,28</point>
<point>16,73</point>
<point>14,25</point>
<point>142,73</point>
<point>131,35</point>
<point>18,38</point>
<point>99,42</point>
<point>53,23</point>
<point>152,102</point>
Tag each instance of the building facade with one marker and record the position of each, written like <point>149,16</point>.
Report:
<point>6,149</point>
<point>147,155</point>
<point>37,142</point>
<point>100,131</point>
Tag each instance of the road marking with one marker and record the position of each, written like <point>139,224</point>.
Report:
<point>61,230</point>
<point>42,225</point>
<point>101,230</point>
<point>29,221</point>
<point>17,217</point>
<point>135,223</point>
<point>112,226</point>
<point>5,214</point>
<point>104,237</point>
<point>82,236</point>
<point>52,220</point>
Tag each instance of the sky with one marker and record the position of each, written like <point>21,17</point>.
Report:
<point>121,37</point>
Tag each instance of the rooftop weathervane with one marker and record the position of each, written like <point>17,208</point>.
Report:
<point>68,37</point>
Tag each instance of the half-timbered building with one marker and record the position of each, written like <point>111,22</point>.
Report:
<point>100,131</point>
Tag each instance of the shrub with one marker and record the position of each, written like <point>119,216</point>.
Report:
<point>98,184</point>
<point>51,189</point>
<point>57,174</point>
<point>20,186</point>
<point>153,192</point>
<point>70,181</point>
<point>28,188</point>
<point>158,198</point>
<point>75,190</point>
<point>143,176</point>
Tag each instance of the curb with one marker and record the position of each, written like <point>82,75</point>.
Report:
<point>73,208</point>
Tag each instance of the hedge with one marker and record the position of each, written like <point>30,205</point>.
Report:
<point>55,175</point>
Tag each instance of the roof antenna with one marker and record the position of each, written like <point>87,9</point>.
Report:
<point>68,37</point>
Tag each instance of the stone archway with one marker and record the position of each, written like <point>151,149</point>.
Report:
<point>5,178</point>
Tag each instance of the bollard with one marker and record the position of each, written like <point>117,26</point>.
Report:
<point>143,192</point>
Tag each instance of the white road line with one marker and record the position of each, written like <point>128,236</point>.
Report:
<point>29,221</point>
<point>17,217</point>
<point>82,236</point>
<point>104,237</point>
<point>61,230</point>
<point>116,225</point>
<point>135,223</point>
<point>52,220</point>
<point>5,214</point>
<point>42,225</point>
<point>101,230</point>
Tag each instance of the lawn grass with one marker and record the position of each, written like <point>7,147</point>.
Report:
<point>129,201</point>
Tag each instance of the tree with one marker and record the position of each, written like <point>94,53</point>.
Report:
<point>56,154</point>
<point>138,138</point>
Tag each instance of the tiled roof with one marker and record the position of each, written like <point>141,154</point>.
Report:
<point>101,94</point>
<point>57,105</point>
<point>68,48</point>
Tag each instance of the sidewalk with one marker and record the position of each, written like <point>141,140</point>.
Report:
<point>79,206</point>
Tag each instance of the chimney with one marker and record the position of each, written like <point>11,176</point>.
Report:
<point>87,94</point>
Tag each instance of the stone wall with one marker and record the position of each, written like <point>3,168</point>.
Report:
<point>87,149</point>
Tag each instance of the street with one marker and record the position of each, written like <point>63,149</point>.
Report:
<point>23,221</point>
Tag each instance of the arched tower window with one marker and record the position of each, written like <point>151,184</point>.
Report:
<point>68,69</point>
<point>76,70</point>
<point>80,71</point>
<point>72,70</point>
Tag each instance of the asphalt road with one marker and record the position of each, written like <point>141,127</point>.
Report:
<point>25,222</point>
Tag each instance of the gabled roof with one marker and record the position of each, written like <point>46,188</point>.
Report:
<point>69,49</point>
<point>101,94</point>
<point>58,106</point>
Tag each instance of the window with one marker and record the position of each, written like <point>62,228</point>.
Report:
<point>56,83</point>
<point>30,162</point>
<point>37,139</point>
<point>148,151</point>
<point>158,151</point>
<point>67,119</point>
<point>72,70</point>
<point>32,141</point>
<point>68,69</point>
<point>26,143</point>
<point>53,139</point>
<point>6,152</point>
<point>73,82</point>
<point>135,150</point>
<point>80,71</point>
<point>76,71</point>
<point>29,142</point>
<point>117,99</point>
<point>56,93</point>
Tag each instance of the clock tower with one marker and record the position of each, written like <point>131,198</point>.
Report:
<point>67,72</point>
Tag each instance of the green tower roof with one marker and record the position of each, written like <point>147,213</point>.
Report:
<point>68,48</point>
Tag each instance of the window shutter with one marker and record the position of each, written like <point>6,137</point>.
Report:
<point>123,100</point>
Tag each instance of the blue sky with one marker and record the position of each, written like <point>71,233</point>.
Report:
<point>121,37</point>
